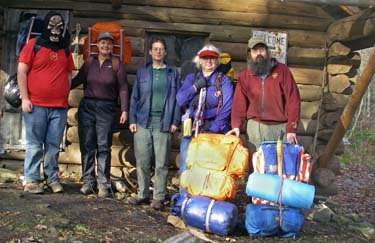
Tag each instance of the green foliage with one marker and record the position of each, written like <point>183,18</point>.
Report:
<point>81,228</point>
<point>361,148</point>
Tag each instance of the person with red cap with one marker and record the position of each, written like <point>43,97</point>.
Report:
<point>266,97</point>
<point>206,98</point>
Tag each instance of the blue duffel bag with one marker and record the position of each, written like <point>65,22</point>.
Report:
<point>217,217</point>
<point>264,220</point>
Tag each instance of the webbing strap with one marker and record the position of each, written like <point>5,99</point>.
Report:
<point>210,206</point>
<point>183,206</point>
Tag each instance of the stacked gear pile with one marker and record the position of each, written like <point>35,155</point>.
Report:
<point>279,189</point>
<point>213,161</point>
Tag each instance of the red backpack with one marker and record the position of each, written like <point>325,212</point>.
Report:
<point>122,45</point>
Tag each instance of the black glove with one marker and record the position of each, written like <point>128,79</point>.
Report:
<point>200,83</point>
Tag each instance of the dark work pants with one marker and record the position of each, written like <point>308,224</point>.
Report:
<point>95,122</point>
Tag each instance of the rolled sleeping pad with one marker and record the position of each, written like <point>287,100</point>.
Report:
<point>294,194</point>
<point>217,217</point>
<point>264,220</point>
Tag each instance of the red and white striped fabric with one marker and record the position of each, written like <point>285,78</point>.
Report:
<point>303,173</point>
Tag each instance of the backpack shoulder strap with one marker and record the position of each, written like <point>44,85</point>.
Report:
<point>36,45</point>
<point>115,64</point>
<point>67,51</point>
<point>88,62</point>
<point>219,92</point>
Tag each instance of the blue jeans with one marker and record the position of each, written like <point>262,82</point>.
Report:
<point>184,144</point>
<point>44,131</point>
<point>149,141</point>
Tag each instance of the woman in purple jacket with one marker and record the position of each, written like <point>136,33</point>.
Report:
<point>206,97</point>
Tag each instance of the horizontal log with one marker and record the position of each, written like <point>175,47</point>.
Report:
<point>341,99</point>
<point>230,33</point>
<point>306,142</point>
<point>238,67</point>
<point>136,62</point>
<point>309,110</point>
<point>255,6</point>
<point>120,155</point>
<point>361,43</point>
<point>343,64</point>
<point>338,49</point>
<point>193,16</point>
<point>353,27</point>
<point>87,22</point>
<point>306,56</point>
<point>334,101</point>
<point>338,83</point>
<point>329,119</point>
<point>138,46</point>
<point>72,137</point>
<point>306,75</point>
<point>309,92</point>
<point>307,127</point>
<point>325,134</point>
<point>75,97</point>
<point>73,116</point>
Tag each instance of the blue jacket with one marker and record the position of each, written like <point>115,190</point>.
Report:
<point>140,102</point>
<point>220,119</point>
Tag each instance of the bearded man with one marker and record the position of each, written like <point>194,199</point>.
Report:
<point>266,96</point>
<point>44,76</point>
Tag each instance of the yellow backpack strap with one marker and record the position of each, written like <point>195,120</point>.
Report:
<point>279,151</point>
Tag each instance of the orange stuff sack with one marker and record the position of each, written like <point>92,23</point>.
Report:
<point>114,29</point>
<point>213,184</point>
<point>218,152</point>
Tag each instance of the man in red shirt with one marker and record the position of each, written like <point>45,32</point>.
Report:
<point>266,96</point>
<point>44,77</point>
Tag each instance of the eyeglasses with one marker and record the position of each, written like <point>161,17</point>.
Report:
<point>158,49</point>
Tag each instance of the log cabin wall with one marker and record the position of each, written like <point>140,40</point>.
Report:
<point>228,25</point>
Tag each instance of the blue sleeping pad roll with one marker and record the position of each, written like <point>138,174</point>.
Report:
<point>294,194</point>
<point>217,217</point>
<point>264,220</point>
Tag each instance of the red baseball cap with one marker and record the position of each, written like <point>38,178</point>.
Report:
<point>208,53</point>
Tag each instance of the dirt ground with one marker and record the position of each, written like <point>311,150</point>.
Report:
<point>72,217</point>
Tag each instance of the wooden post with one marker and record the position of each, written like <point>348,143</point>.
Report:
<point>349,111</point>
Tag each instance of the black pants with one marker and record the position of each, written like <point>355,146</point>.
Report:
<point>95,122</point>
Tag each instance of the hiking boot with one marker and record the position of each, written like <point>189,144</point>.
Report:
<point>157,204</point>
<point>34,188</point>
<point>87,189</point>
<point>138,201</point>
<point>56,187</point>
<point>103,192</point>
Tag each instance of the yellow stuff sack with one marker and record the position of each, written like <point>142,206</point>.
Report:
<point>218,152</point>
<point>214,184</point>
